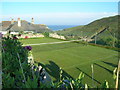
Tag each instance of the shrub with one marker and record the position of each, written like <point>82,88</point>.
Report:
<point>108,47</point>
<point>81,42</point>
<point>26,37</point>
<point>14,62</point>
<point>46,34</point>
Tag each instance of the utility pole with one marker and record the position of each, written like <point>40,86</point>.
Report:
<point>114,40</point>
<point>81,33</point>
<point>95,38</point>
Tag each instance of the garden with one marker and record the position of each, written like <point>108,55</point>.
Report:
<point>21,70</point>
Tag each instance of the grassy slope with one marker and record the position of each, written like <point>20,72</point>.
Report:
<point>69,31</point>
<point>91,28</point>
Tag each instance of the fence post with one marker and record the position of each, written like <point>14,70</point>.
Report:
<point>118,70</point>
<point>92,75</point>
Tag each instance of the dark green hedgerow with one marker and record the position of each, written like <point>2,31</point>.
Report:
<point>103,46</point>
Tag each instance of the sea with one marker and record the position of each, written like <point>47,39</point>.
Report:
<point>60,27</point>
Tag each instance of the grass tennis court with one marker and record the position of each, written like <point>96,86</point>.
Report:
<point>38,40</point>
<point>74,58</point>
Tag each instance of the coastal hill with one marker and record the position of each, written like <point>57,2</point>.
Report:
<point>109,25</point>
<point>25,26</point>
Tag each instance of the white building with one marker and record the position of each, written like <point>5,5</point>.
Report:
<point>3,32</point>
<point>14,32</point>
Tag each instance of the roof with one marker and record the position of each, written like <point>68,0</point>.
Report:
<point>6,23</point>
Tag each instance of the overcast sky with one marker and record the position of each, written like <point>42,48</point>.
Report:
<point>58,13</point>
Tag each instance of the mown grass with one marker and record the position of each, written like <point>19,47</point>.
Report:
<point>38,40</point>
<point>74,58</point>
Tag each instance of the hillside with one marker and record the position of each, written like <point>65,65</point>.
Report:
<point>93,27</point>
<point>69,31</point>
<point>25,26</point>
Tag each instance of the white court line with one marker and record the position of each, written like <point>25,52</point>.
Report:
<point>87,62</point>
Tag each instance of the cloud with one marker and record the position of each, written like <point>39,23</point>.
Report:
<point>62,17</point>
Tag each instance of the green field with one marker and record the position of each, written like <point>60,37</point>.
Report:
<point>38,40</point>
<point>74,58</point>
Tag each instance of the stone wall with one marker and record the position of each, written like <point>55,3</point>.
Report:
<point>31,35</point>
<point>55,35</point>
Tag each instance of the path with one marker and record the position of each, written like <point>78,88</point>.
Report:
<point>98,32</point>
<point>50,43</point>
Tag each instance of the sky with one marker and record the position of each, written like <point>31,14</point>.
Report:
<point>60,0</point>
<point>58,13</point>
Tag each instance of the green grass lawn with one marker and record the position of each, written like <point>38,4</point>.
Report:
<point>74,58</point>
<point>38,40</point>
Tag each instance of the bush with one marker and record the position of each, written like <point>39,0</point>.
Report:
<point>81,42</point>
<point>14,63</point>
<point>46,34</point>
<point>108,47</point>
<point>109,41</point>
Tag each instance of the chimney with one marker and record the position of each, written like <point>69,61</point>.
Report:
<point>32,21</point>
<point>12,21</point>
<point>19,22</point>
